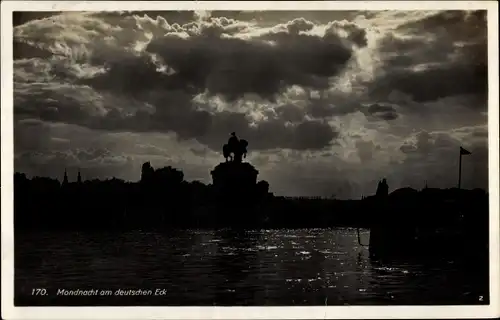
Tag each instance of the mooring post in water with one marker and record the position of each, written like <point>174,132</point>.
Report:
<point>359,240</point>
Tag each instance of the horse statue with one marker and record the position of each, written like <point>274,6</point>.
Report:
<point>235,149</point>
<point>226,152</point>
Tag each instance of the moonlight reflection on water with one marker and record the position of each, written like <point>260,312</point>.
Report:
<point>268,267</point>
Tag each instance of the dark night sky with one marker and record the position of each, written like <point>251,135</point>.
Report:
<point>330,101</point>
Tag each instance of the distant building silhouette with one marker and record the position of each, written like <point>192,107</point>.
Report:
<point>147,172</point>
<point>382,188</point>
<point>79,178</point>
<point>65,179</point>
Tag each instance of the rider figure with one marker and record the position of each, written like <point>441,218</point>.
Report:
<point>233,141</point>
<point>234,146</point>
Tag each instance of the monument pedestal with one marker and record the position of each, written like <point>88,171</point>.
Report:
<point>236,191</point>
<point>234,180</point>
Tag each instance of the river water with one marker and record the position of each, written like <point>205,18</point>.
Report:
<point>251,268</point>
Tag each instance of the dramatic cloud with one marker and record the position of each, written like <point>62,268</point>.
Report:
<point>386,112</point>
<point>440,55</point>
<point>330,102</point>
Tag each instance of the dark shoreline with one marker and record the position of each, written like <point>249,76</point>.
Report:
<point>236,199</point>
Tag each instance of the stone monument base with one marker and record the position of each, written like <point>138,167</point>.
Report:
<point>234,180</point>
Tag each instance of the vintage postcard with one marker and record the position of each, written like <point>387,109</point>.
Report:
<point>260,160</point>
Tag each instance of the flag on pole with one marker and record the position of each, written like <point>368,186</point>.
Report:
<point>464,152</point>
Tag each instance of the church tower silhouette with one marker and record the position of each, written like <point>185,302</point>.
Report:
<point>65,179</point>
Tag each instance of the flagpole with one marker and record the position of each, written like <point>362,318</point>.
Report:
<point>460,169</point>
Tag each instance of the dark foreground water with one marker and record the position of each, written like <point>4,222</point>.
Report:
<point>205,268</point>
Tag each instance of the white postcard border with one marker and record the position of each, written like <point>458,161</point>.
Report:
<point>334,312</point>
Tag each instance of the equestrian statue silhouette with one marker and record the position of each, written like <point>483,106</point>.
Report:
<point>235,149</point>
